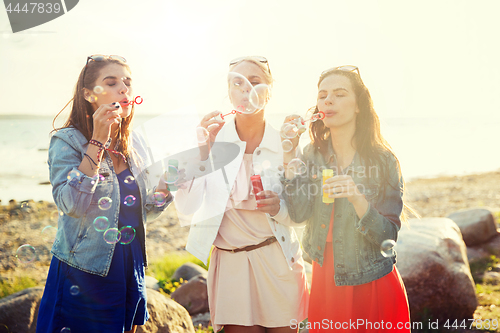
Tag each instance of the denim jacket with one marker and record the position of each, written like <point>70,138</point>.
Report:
<point>76,195</point>
<point>356,242</point>
<point>207,197</point>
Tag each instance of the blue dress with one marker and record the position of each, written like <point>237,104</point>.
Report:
<point>75,301</point>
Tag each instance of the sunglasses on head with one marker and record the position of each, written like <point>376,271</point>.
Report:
<point>100,57</point>
<point>256,58</point>
<point>345,68</point>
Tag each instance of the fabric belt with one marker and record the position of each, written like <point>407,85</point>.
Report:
<point>251,247</point>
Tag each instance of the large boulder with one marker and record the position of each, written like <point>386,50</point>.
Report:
<point>188,271</point>
<point>432,260</point>
<point>193,295</point>
<point>18,312</point>
<point>165,316</point>
<point>477,225</point>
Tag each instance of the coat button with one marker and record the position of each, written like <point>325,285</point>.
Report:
<point>202,168</point>
<point>317,260</point>
<point>319,248</point>
<point>339,266</point>
<point>323,226</point>
<point>293,260</point>
<point>283,238</point>
<point>362,228</point>
<point>258,152</point>
<point>314,176</point>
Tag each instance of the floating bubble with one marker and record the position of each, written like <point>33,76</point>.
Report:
<point>112,236</point>
<point>74,174</point>
<point>171,175</point>
<point>259,95</point>
<point>104,203</point>
<point>287,145</point>
<point>239,91</point>
<point>26,253</point>
<point>101,223</point>
<point>289,131</point>
<point>129,200</point>
<point>4,329</point>
<point>202,134</point>
<point>159,199</point>
<point>129,180</point>
<point>94,179</point>
<point>49,234</point>
<point>93,98</point>
<point>66,330</point>
<point>297,167</point>
<point>74,290</point>
<point>387,248</point>
<point>98,90</point>
<point>101,178</point>
<point>128,235</point>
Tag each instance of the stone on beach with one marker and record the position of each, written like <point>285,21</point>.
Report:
<point>193,295</point>
<point>477,225</point>
<point>19,311</point>
<point>432,260</point>
<point>188,271</point>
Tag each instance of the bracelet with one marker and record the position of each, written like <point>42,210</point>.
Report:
<point>101,148</point>
<point>90,158</point>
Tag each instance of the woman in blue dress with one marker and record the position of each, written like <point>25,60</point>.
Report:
<point>97,171</point>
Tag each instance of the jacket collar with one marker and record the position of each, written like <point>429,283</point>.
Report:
<point>271,139</point>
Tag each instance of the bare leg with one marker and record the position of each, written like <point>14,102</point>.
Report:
<point>286,329</point>
<point>132,330</point>
<point>243,329</point>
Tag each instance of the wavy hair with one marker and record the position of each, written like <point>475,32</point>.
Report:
<point>82,110</point>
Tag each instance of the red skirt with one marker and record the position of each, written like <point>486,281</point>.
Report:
<point>377,306</point>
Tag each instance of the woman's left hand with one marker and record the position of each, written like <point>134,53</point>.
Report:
<point>270,205</point>
<point>343,186</point>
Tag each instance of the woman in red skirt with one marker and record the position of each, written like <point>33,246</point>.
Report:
<point>353,218</point>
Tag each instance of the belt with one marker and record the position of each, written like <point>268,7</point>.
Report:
<point>252,247</point>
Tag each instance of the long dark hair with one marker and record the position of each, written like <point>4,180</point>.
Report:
<point>82,110</point>
<point>369,142</point>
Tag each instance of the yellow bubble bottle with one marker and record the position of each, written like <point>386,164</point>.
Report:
<point>327,173</point>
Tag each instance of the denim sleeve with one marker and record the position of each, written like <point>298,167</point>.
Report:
<point>382,219</point>
<point>72,189</point>
<point>297,198</point>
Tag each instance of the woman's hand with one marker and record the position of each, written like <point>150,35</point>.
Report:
<point>343,186</point>
<point>270,205</point>
<point>105,116</point>
<point>213,126</point>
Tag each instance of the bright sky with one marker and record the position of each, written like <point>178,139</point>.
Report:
<point>420,58</point>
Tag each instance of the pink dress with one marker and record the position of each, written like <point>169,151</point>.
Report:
<point>255,287</point>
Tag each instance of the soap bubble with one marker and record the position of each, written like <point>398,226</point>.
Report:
<point>98,90</point>
<point>202,134</point>
<point>387,248</point>
<point>171,175</point>
<point>73,174</point>
<point>101,223</point>
<point>159,198</point>
<point>74,290</point>
<point>104,203</point>
<point>297,167</point>
<point>129,200</point>
<point>259,96</point>
<point>49,234</point>
<point>54,215</point>
<point>93,98</point>
<point>129,180</point>
<point>66,330</point>
<point>94,179</point>
<point>128,235</point>
<point>101,178</point>
<point>287,145</point>
<point>244,97</point>
<point>289,131</point>
<point>112,236</point>
<point>26,253</point>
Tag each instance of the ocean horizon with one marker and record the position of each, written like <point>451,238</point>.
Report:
<point>426,147</point>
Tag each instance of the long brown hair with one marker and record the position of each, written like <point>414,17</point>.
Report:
<point>82,110</point>
<point>370,144</point>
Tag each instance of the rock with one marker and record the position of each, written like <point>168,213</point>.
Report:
<point>202,319</point>
<point>152,283</point>
<point>193,295</point>
<point>188,271</point>
<point>491,278</point>
<point>165,316</point>
<point>477,225</point>
<point>432,260</point>
<point>492,247</point>
<point>19,311</point>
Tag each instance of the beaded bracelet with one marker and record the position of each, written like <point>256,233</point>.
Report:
<point>102,147</point>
